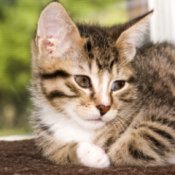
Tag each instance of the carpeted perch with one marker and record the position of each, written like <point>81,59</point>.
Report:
<point>23,158</point>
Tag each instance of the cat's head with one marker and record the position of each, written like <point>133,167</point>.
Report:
<point>84,72</point>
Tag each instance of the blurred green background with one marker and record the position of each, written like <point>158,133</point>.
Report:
<point>18,19</point>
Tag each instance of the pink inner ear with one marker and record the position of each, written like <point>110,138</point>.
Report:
<point>56,32</point>
<point>53,21</point>
<point>47,26</point>
<point>49,44</point>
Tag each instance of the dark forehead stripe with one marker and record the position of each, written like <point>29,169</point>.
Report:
<point>55,74</point>
<point>107,58</point>
<point>100,46</point>
<point>88,49</point>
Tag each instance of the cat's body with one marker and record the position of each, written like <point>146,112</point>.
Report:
<point>101,97</point>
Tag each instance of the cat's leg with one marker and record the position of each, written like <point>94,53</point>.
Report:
<point>60,153</point>
<point>82,153</point>
<point>146,145</point>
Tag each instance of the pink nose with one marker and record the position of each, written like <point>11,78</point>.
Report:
<point>103,109</point>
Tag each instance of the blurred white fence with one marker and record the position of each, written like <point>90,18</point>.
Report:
<point>163,20</point>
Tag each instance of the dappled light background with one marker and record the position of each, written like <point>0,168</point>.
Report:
<point>18,19</point>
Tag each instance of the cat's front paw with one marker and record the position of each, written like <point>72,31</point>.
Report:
<point>92,156</point>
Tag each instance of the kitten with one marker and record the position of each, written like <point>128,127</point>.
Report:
<point>102,98</point>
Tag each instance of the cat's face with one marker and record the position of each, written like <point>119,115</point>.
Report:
<point>87,78</point>
<point>81,89</point>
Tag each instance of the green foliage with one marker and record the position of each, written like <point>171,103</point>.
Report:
<point>16,31</point>
<point>18,19</point>
<point>17,22</point>
<point>106,12</point>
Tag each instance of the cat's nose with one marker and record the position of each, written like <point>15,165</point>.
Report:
<point>103,109</point>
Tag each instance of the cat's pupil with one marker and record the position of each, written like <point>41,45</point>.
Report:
<point>83,81</point>
<point>117,85</point>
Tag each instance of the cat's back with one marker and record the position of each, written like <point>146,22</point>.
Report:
<point>155,69</point>
<point>160,55</point>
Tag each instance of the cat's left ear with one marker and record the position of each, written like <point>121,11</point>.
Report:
<point>57,35</point>
<point>133,37</point>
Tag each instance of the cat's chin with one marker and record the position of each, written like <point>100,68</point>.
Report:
<point>91,124</point>
<point>86,123</point>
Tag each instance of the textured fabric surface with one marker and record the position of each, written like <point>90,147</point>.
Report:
<point>23,158</point>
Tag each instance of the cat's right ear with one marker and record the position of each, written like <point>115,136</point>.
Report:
<point>56,35</point>
<point>133,37</point>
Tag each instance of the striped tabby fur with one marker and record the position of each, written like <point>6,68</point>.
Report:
<point>101,96</point>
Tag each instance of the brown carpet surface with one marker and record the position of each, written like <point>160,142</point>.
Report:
<point>23,158</point>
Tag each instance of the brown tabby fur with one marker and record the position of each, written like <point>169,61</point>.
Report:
<point>143,130</point>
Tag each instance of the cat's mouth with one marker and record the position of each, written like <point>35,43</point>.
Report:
<point>95,120</point>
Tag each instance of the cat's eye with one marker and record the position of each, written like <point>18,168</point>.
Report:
<point>83,81</point>
<point>117,85</point>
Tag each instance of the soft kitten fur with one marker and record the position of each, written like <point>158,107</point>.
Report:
<point>137,121</point>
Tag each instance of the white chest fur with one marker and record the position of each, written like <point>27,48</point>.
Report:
<point>70,131</point>
<point>63,128</point>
